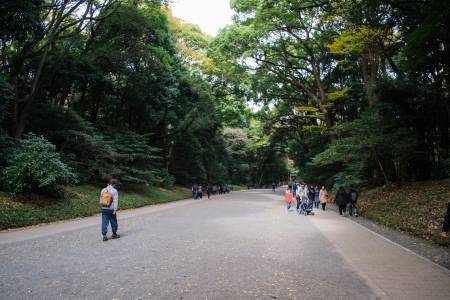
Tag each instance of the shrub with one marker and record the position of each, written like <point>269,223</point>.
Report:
<point>164,179</point>
<point>34,165</point>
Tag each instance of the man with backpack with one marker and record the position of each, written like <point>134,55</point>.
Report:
<point>109,200</point>
<point>352,199</point>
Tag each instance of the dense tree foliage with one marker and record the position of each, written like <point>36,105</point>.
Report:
<point>358,90</point>
<point>117,89</point>
<point>352,92</point>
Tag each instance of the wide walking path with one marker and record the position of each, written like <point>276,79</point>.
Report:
<point>245,245</point>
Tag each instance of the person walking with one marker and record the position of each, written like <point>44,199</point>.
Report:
<point>311,195</point>
<point>352,199</point>
<point>200,191</point>
<point>323,196</point>
<point>316,197</point>
<point>446,225</point>
<point>294,189</point>
<point>109,199</point>
<point>288,198</point>
<point>299,196</point>
<point>341,200</point>
<point>209,190</point>
<point>194,191</point>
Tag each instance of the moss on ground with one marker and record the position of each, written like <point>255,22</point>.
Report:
<point>79,201</point>
<point>416,208</point>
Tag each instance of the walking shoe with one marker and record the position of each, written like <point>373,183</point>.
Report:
<point>115,236</point>
<point>105,238</point>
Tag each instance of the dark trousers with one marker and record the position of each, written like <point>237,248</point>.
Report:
<point>342,209</point>
<point>352,208</point>
<point>323,205</point>
<point>446,225</point>
<point>299,201</point>
<point>200,195</point>
<point>107,217</point>
<point>209,194</point>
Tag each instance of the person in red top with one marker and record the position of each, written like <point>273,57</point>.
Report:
<point>288,198</point>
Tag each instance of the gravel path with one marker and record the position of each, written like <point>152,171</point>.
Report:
<point>240,246</point>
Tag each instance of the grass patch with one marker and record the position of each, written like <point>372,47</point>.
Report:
<point>416,208</point>
<point>79,201</point>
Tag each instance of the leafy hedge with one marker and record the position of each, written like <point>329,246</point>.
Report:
<point>79,201</point>
<point>34,165</point>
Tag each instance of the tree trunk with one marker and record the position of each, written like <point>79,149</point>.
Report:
<point>29,99</point>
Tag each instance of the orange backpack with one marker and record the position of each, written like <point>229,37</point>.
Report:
<point>106,199</point>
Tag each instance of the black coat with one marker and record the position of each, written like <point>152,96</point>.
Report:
<point>350,196</point>
<point>341,197</point>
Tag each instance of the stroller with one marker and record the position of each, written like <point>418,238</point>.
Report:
<point>306,207</point>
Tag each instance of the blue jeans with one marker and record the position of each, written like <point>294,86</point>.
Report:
<point>108,216</point>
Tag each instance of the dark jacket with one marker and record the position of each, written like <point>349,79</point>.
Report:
<point>341,197</point>
<point>353,199</point>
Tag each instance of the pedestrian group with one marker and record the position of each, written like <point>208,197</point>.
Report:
<point>308,198</point>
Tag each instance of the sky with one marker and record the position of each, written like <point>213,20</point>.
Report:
<point>210,15</point>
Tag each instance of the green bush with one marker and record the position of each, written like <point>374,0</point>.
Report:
<point>34,165</point>
<point>164,179</point>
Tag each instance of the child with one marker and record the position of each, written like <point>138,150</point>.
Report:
<point>288,198</point>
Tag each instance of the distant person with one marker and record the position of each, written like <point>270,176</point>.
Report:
<point>109,200</point>
<point>273,187</point>
<point>301,189</point>
<point>294,189</point>
<point>200,191</point>
<point>305,192</point>
<point>316,197</point>
<point>341,200</point>
<point>323,196</point>
<point>288,198</point>
<point>299,196</point>
<point>352,199</point>
<point>311,194</point>
<point>209,190</point>
<point>194,191</point>
<point>446,225</point>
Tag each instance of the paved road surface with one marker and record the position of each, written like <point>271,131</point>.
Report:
<point>240,246</point>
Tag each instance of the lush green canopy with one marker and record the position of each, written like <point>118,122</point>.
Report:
<point>353,92</point>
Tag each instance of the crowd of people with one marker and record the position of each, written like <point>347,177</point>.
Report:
<point>197,190</point>
<point>307,198</point>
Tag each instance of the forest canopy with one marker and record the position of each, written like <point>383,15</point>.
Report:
<point>118,89</point>
<point>352,92</point>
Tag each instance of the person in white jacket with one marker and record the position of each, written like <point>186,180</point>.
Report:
<point>109,214</point>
